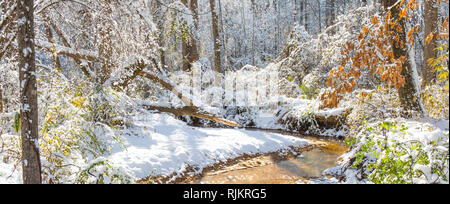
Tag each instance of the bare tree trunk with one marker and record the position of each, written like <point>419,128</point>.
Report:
<point>105,52</point>
<point>1,99</point>
<point>215,31</point>
<point>253,31</point>
<point>31,163</point>
<point>158,17</point>
<point>302,12</point>
<point>408,93</point>
<point>223,38</point>
<point>320,15</point>
<point>51,39</point>
<point>331,14</point>
<point>277,32</point>
<point>306,14</point>
<point>189,48</point>
<point>431,18</point>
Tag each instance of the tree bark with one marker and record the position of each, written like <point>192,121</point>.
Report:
<point>215,31</point>
<point>306,14</point>
<point>431,19</point>
<point>51,39</point>
<point>320,16</point>
<point>331,13</point>
<point>408,93</point>
<point>302,12</point>
<point>1,99</point>
<point>189,48</point>
<point>31,164</point>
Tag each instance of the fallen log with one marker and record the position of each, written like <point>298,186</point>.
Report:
<point>169,86</point>
<point>316,120</point>
<point>192,112</point>
<point>134,70</point>
<point>188,110</point>
<point>332,119</point>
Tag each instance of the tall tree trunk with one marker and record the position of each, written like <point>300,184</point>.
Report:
<point>331,14</point>
<point>51,39</point>
<point>320,15</point>
<point>158,16</point>
<point>189,48</point>
<point>31,163</point>
<point>277,32</point>
<point>253,31</point>
<point>105,51</point>
<point>215,31</point>
<point>1,99</point>
<point>408,93</point>
<point>306,14</point>
<point>223,38</point>
<point>301,12</point>
<point>431,18</point>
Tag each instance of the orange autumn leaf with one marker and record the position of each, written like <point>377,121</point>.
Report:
<point>429,38</point>
<point>365,30</point>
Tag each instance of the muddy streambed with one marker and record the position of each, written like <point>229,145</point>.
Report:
<point>270,169</point>
<point>299,164</point>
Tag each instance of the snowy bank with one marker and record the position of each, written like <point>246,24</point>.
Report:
<point>160,145</point>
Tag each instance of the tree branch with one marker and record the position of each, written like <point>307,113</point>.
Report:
<point>67,51</point>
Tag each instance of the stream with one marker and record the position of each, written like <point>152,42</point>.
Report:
<point>268,169</point>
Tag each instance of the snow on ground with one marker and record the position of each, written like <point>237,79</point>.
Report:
<point>8,172</point>
<point>159,145</point>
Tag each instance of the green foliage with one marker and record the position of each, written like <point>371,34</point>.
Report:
<point>309,92</point>
<point>435,96</point>
<point>101,172</point>
<point>395,160</point>
<point>440,65</point>
<point>17,123</point>
<point>180,32</point>
<point>99,108</point>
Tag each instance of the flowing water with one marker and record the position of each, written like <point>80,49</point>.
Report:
<point>268,169</point>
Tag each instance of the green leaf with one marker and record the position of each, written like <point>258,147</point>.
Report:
<point>17,123</point>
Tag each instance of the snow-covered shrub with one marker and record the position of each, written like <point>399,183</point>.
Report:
<point>75,129</point>
<point>244,116</point>
<point>370,106</point>
<point>388,152</point>
<point>435,101</point>
<point>100,171</point>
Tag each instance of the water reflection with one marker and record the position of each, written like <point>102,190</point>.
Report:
<point>267,170</point>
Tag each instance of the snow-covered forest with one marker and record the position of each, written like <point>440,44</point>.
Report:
<point>168,91</point>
